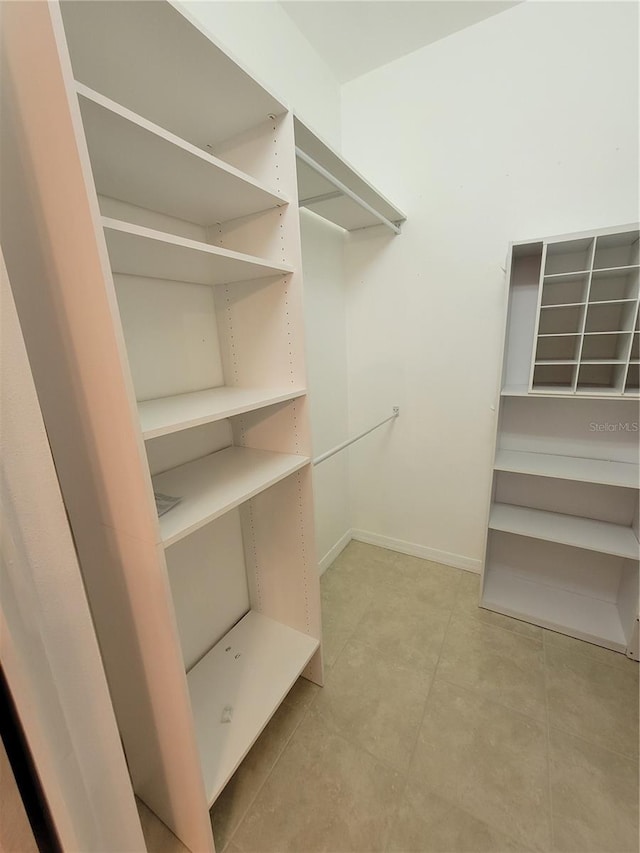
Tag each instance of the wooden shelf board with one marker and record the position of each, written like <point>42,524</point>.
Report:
<point>556,361</point>
<point>564,305</point>
<point>586,533</point>
<point>570,274</point>
<point>581,616</point>
<point>182,411</point>
<point>272,656</point>
<point>584,470</point>
<point>136,250</point>
<point>622,270</point>
<point>136,161</point>
<point>125,50</point>
<point>217,483</point>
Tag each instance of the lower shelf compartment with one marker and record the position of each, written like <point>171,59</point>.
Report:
<point>249,671</point>
<point>591,619</point>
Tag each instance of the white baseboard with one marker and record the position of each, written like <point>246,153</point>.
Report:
<point>469,564</point>
<point>334,551</point>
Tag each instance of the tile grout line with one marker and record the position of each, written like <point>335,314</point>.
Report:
<point>548,734</point>
<point>231,838</point>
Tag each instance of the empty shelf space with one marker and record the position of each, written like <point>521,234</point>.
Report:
<point>610,316</point>
<point>138,162</point>
<point>561,320</point>
<point>217,483</point>
<point>171,414</point>
<point>567,256</point>
<point>569,468</point>
<point>616,250</point>
<point>136,250</point>
<point>606,376</point>
<point>582,616</point>
<point>162,63</point>
<point>334,190</point>
<point>249,672</point>
<point>553,376</point>
<point>607,285</point>
<point>564,290</point>
<point>587,533</point>
<point>610,346</point>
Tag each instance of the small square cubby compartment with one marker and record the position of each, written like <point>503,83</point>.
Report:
<point>568,256</point>
<point>616,250</point>
<point>614,284</point>
<point>564,289</point>
<point>558,320</point>
<point>557,348</point>
<point>633,379</point>
<point>608,347</point>
<point>601,377</point>
<point>553,376</point>
<point>610,316</point>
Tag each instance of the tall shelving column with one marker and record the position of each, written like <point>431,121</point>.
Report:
<point>161,304</point>
<point>562,540</point>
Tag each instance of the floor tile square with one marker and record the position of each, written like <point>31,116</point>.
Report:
<point>324,794</point>
<point>375,703</point>
<point>503,666</point>
<point>593,700</point>
<point>594,795</point>
<point>486,759</point>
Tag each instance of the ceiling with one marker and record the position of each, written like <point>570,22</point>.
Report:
<point>356,36</point>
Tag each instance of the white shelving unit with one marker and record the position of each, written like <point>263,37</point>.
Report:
<point>562,541</point>
<point>334,190</point>
<point>159,227</point>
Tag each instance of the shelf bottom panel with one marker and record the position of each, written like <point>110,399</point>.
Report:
<point>580,616</point>
<point>249,671</point>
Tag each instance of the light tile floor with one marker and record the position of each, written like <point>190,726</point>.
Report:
<point>441,727</point>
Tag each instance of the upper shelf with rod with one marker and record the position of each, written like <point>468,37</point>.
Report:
<point>331,188</point>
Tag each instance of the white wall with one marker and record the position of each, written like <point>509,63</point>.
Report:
<point>326,344</point>
<point>523,125</point>
<point>264,39</point>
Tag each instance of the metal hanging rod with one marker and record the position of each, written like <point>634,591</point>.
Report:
<point>329,453</point>
<point>343,189</point>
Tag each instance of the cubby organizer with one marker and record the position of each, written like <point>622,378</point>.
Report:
<point>562,533</point>
<point>588,303</point>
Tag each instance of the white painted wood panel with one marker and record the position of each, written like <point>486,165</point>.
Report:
<point>211,486</point>
<point>135,250</point>
<point>565,529</point>
<point>249,671</point>
<point>569,468</point>
<point>208,584</point>
<point>171,334</point>
<point>183,411</point>
<point>144,78</point>
<point>138,162</point>
<point>587,618</point>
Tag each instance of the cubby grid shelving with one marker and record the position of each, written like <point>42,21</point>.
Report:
<point>588,304</point>
<point>562,529</point>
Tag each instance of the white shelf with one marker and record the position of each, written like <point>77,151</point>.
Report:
<point>571,530</point>
<point>136,250</point>
<point>160,62</point>
<point>172,414</point>
<point>136,161</point>
<point>271,657</point>
<point>552,607</point>
<point>569,468</point>
<point>211,486</point>
<point>336,191</point>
